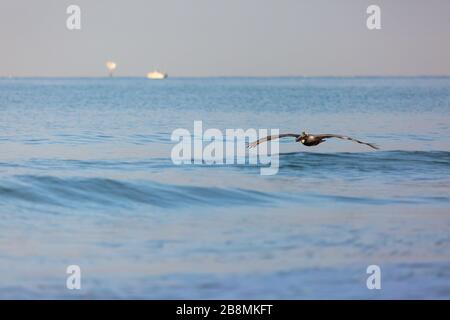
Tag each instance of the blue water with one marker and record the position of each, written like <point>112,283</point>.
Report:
<point>86,178</point>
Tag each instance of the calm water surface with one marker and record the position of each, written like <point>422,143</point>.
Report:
<point>86,178</point>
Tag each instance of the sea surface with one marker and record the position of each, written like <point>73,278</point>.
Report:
<point>86,178</point>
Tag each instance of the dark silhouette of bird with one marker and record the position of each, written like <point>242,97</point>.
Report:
<point>308,139</point>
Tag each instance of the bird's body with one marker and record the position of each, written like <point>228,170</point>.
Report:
<point>308,140</point>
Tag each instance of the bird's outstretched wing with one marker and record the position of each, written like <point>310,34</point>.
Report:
<point>325,136</point>
<point>272,137</point>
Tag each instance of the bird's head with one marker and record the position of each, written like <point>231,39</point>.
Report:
<point>302,137</point>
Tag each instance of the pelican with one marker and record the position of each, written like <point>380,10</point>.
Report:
<point>308,139</point>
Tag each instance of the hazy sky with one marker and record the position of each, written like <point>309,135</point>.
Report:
<point>225,37</point>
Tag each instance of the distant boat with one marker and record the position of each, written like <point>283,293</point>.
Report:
<point>156,75</point>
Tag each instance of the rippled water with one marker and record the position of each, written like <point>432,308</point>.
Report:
<point>86,178</point>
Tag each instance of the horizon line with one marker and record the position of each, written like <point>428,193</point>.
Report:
<point>235,76</point>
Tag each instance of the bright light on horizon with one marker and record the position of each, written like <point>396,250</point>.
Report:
<point>111,66</point>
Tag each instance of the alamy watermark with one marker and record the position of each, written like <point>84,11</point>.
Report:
<point>73,281</point>
<point>213,147</point>
<point>73,22</point>
<point>374,280</point>
<point>373,22</point>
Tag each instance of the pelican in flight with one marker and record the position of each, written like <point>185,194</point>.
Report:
<point>308,139</point>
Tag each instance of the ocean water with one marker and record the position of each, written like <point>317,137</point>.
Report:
<point>86,179</point>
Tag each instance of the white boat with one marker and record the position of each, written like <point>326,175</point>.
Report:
<point>156,75</point>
